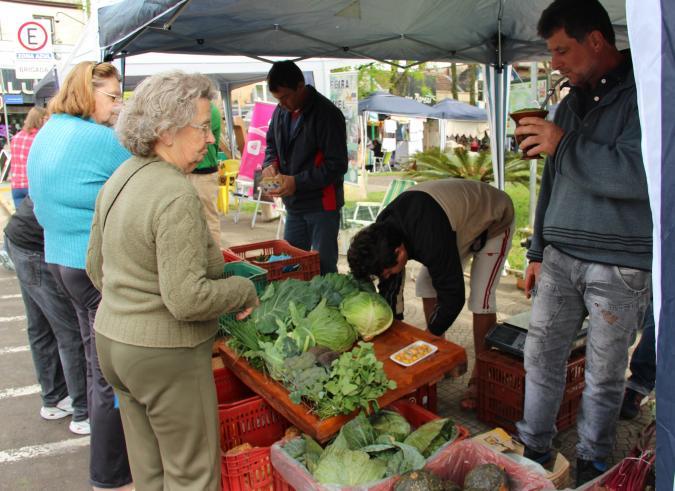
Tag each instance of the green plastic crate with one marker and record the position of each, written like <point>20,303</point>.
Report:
<point>254,273</point>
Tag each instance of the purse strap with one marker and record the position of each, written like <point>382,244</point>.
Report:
<point>119,191</point>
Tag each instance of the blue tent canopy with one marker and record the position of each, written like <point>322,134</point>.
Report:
<point>386,103</point>
<point>460,111</point>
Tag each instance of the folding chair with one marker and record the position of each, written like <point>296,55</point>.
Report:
<point>242,192</point>
<point>384,161</point>
<point>396,187</point>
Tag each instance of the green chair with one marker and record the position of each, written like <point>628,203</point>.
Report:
<point>396,187</point>
<point>384,161</point>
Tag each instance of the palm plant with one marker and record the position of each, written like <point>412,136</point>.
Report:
<point>434,164</point>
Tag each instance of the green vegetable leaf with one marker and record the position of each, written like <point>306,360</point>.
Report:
<point>358,432</point>
<point>390,423</point>
<point>407,459</point>
<point>349,468</point>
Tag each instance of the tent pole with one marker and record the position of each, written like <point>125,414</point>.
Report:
<point>4,107</point>
<point>227,102</point>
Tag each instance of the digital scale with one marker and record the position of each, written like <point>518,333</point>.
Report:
<point>510,335</point>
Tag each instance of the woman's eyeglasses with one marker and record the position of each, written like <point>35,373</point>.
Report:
<point>117,99</point>
<point>206,128</point>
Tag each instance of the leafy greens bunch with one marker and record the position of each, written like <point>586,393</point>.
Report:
<point>295,327</point>
<point>370,449</point>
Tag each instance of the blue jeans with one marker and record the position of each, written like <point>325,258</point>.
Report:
<point>615,300</point>
<point>317,231</point>
<point>643,362</point>
<point>53,332</point>
<point>18,194</point>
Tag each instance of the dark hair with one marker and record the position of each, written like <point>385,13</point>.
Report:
<point>577,17</point>
<point>373,249</point>
<point>284,74</point>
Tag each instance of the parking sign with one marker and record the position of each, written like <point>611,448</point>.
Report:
<point>34,55</point>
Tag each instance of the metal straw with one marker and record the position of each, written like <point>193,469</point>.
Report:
<point>550,92</point>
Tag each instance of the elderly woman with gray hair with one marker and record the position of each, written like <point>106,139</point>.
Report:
<point>160,274</point>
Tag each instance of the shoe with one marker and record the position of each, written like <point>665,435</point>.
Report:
<point>630,408</point>
<point>80,427</point>
<point>587,470</point>
<point>469,401</point>
<point>539,457</point>
<point>62,409</point>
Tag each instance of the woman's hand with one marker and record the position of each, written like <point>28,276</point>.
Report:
<point>240,316</point>
<point>244,313</point>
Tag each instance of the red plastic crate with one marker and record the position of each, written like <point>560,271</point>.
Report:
<point>229,256</point>
<point>229,388</point>
<point>302,265</point>
<point>416,415</point>
<point>501,390</point>
<point>250,421</point>
<point>426,396</point>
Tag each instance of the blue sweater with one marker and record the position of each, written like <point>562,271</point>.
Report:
<point>70,160</point>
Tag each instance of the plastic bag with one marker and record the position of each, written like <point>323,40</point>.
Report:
<point>455,462</point>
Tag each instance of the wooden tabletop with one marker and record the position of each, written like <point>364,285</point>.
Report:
<point>449,359</point>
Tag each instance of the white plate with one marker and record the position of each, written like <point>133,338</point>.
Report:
<point>410,346</point>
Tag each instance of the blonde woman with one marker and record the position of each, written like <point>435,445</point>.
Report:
<point>73,155</point>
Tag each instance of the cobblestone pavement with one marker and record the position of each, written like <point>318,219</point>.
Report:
<point>37,454</point>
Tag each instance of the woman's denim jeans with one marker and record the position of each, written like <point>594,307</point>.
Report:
<point>53,332</point>
<point>615,300</point>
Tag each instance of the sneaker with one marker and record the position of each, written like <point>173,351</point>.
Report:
<point>62,409</point>
<point>630,408</point>
<point>539,457</point>
<point>80,427</point>
<point>587,470</point>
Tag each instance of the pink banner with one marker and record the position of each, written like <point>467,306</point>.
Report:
<point>254,150</point>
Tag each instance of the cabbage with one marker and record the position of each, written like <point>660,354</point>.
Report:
<point>329,328</point>
<point>390,423</point>
<point>369,313</point>
<point>348,468</point>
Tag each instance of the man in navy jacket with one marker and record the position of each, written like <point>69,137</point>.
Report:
<point>307,150</point>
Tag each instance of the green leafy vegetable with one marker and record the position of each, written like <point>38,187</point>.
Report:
<point>408,458</point>
<point>358,432</point>
<point>348,468</point>
<point>390,423</point>
<point>313,453</point>
<point>356,380</point>
<point>328,327</point>
<point>431,436</point>
<point>369,313</point>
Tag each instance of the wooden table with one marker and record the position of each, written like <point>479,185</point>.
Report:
<point>449,359</point>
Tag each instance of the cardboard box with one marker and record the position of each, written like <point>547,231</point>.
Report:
<point>500,441</point>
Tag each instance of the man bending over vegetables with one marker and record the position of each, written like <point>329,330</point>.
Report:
<point>441,224</point>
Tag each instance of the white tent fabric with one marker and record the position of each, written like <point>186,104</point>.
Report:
<point>652,27</point>
<point>497,82</point>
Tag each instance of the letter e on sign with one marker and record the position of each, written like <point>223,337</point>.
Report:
<point>33,36</point>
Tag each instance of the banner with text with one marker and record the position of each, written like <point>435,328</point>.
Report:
<point>344,94</point>
<point>256,138</point>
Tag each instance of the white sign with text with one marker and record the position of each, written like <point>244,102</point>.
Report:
<point>34,55</point>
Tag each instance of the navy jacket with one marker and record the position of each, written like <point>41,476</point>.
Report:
<point>593,202</point>
<point>315,153</point>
